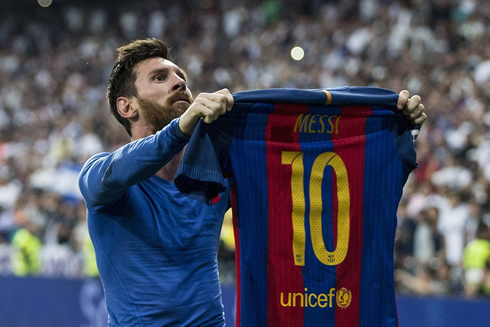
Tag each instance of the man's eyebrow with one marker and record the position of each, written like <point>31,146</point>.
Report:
<point>165,70</point>
<point>159,71</point>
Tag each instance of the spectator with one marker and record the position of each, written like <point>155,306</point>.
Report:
<point>26,246</point>
<point>453,216</point>
<point>476,263</point>
<point>428,241</point>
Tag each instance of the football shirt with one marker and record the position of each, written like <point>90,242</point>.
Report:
<point>318,175</point>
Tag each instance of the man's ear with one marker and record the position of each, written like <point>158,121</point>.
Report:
<point>125,108</point>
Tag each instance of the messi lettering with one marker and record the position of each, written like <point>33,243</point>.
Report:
<point>316,123</point>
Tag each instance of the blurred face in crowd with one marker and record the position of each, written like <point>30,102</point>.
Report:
<point>162,92</point>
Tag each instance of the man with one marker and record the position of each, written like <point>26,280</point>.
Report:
<point>155,248</point>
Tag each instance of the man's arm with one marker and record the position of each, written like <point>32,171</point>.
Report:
<point>104,177</point>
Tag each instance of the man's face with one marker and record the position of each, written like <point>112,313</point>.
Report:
<point>162,92</point>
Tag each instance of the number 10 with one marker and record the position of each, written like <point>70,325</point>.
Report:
<point>295,159</point>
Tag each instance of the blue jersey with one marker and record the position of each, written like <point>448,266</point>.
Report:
<point>155,248</point>
<point>318,175</point>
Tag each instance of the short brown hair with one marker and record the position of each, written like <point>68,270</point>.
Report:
<point>123,77</point>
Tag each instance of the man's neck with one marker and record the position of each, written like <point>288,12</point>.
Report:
<point>170,169</point>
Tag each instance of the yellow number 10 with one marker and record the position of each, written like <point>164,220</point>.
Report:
<point>295,159</point>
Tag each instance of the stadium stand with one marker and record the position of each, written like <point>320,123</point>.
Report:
<point>55,61</point>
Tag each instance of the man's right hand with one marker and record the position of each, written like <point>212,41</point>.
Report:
<point>206,106</point>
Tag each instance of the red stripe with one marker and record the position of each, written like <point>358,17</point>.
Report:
<point>283,276</point>
<point>349,144</point>
<point>237,257</point>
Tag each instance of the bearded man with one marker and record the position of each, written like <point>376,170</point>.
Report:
<point>156,249</point>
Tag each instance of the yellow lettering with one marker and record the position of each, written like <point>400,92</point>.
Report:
<point>322,124</point>
<point>330,122</point>
<point>311,303</point>
<point>312,121</point>
<point>330,295</point>
<point>304,124</point>
<point>295,159</point>
<point>299,123</point>
<point>337,125</point>
<point>294,298</point>
<point>289,300</point>
<point>322,300</point>
<point>343,222</point>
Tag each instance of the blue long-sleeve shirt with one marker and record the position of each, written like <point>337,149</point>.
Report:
<point>155,248</point>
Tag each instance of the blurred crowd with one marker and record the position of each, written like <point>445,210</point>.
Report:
<point>55,62</point>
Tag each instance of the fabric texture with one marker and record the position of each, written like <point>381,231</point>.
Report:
<point>155,248</point>
<point>318,175</point>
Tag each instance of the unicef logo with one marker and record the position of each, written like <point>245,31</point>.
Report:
<point>344,298</point>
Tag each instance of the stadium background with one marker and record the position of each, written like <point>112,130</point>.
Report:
<point>54,64</point>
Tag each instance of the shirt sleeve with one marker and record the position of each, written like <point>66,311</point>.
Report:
<point>201,175</point>
<point>105,176</point>
<point>404,142</point>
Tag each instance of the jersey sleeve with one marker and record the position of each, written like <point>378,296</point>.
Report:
<point>105,176</point>
<point>205,166</point>
<point>403,132</point>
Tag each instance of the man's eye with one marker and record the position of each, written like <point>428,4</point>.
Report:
<point>159,78</point>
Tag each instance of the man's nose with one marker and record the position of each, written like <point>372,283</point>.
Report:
<point>178,83</point>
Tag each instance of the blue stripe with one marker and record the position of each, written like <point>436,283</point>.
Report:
<point>318,278</point>
<point>382,170</point>
<point>250,160</point>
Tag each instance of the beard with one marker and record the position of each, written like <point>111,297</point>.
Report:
<point>158,116</point>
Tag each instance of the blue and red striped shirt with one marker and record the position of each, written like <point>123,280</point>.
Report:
<point>317,178</point>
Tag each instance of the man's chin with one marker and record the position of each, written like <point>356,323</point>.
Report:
<point>180,107</point>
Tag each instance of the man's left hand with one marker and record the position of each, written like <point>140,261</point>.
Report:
<point>412,107</point>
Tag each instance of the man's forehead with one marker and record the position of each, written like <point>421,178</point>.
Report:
<point>154,63</point>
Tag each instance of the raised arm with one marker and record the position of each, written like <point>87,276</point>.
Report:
<point>105,176</point>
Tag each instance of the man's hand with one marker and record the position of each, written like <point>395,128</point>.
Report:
<point>206,106</point>
<point>412,107</point>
